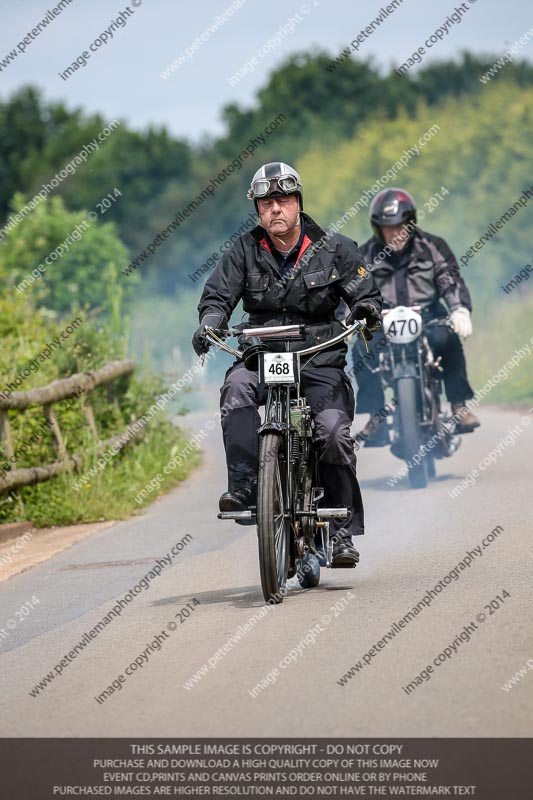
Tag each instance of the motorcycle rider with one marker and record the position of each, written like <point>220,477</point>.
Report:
<point>287,271</point>
<point>413,267</point>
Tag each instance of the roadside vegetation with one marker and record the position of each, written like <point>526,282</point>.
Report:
<point>48,334</point>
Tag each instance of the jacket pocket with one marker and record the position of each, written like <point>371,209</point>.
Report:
<point>320,288</point>
<point>256,287</point>
<point>321,277</point>
<point>256,282</point>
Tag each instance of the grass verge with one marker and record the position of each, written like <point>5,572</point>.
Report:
<point>111,493</point>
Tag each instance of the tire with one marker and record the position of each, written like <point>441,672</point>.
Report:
<point>273,530</point>
<point>410,431</point>
<point>431,469</point>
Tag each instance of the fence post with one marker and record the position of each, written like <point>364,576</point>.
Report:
<point>7,447</point>
<point>57,438</point>
<point>5,434</point>
<point>89,416</point>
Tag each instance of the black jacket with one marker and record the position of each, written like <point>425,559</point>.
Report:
<point>423,273</point>
<point>329,269</point>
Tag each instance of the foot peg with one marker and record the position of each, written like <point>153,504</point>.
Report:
<point>247,517</point>
<point>235,514</point>
<point>332,513</point>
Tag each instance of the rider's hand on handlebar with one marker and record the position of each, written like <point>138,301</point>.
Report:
<point>367,312</point>
<point>199,342</point>
<point>461,322</point>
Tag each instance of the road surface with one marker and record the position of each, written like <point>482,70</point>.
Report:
<point>278,672</point>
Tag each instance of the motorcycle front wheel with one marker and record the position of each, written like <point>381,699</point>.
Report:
<point>410,432</point>
<point>273,521</point>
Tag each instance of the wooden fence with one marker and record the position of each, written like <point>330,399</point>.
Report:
<point>46,396</point>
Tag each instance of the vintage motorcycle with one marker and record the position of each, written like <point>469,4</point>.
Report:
<point>292,525</point>
<point>422,431</point>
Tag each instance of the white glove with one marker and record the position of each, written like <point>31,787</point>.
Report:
<point>461,322</point>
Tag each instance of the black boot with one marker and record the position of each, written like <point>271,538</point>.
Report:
<point>242,498</point>
<point>344,553</point>
<point>238,500</point>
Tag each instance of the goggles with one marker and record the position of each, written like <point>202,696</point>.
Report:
<point>391,209</point>
<point>286,184</point>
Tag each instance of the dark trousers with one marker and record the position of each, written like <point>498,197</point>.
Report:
<point>331,399</point>
<point>443,342</point>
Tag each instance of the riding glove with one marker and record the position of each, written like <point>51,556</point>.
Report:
<point>199,342</point>
<point>461,322</point>
<point>367,312</point>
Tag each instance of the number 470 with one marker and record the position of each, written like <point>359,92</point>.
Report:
<point>412,326</point>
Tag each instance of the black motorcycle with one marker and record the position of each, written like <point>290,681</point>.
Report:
<point>292,525</point>
<point>422,431</point>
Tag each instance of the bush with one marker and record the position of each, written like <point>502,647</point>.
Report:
<point>25,333</point>
<point>81,251</point>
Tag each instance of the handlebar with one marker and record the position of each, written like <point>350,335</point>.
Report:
<point>216,337</point>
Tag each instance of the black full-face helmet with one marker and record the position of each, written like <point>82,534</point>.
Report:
<point>275,180</point>
<point>391,207</point>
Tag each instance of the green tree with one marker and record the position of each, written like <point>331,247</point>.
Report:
<point>80,252</point>
<point>141,166</point>
<point>36,140</point>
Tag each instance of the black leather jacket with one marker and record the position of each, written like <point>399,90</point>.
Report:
<point>423,273</point>
<point>329,269</point>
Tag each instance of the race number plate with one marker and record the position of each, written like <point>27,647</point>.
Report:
<point>402,325</point>
<point>279,368</point>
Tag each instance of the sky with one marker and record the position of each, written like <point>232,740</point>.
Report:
<point>122,77</point>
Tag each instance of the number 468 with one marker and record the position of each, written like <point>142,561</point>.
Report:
<point>279,369</point>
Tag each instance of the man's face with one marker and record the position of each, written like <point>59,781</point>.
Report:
<point>395,236</point>
<point>279,215</point>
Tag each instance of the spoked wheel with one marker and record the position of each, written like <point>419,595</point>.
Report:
<point>273,526</point>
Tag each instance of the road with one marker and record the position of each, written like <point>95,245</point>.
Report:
<point>414,539</point>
